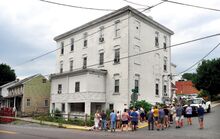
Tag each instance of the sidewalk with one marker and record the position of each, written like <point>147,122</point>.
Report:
<point>68,126</point>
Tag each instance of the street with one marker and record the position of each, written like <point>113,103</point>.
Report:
<point>211,131</point>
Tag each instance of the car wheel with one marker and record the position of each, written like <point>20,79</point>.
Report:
<point>209,109</point>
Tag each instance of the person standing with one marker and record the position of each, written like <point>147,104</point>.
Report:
<point>161,119</point>
<point>103,121</point>
<point>166,119</point>
<point>118,121</point>
<point>178,116</point>
<point>189,114</point>
<point>97,120</point>
<point>113,120</point>
<point>156,116</point>
<point>201,112</point>
<point>150,119</point>
<point>134,119</point>
<point>124,118</point>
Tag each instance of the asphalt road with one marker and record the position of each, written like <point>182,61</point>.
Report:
<point>211,131</point>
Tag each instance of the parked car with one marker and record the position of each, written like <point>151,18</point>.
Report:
<point>195,102</point>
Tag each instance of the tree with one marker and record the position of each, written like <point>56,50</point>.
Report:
<point>208,76</point>
<point>6,74</point>
<point>189,76</point>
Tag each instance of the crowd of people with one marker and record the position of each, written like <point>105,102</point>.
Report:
<point>158,117</point>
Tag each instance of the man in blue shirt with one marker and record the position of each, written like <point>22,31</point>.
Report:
<point>134,119</point>
<point>113,120</point>
<point>201,112</point>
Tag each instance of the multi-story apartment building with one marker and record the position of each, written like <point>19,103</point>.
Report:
<point>99,63</point>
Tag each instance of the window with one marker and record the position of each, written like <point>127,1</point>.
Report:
<point>117,56</point>
<point>71,65</point>
<point>165,64</point>
<point>77,107</point>
<point>59,89</point>
<point>28,102</point>
<point>111,106</point>
<point>44,80</point>
<point>71,44</point>
<point>62,48</point>
<point>101,58</point>
<point>61,66</point>
<point>165,90</point>
<point>77,87</point>
<point>53,107</point>
<point>84,62</point>
<point>136,84</point>
<point>165,43</point>
<point>157,87</point>
<point>85,35</point>
<point>117,86</point>
<point>117,29</point>
<point>63,107</point>
<point>137,29</point>
<point>46,103</point>
<point>101,35</point>
<point>157,39</point>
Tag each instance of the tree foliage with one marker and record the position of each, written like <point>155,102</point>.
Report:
<point>6,74</point>
<point>189,76</point>
<point>208,76</point>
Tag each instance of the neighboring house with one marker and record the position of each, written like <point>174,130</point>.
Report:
<point>29,95</point>
<point>4,93</point>
<point>186,89</point>
<point>96,71</point>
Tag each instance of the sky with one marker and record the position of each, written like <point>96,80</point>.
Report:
<point>27,29</point>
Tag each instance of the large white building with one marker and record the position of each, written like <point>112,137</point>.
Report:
<point>99,63</point>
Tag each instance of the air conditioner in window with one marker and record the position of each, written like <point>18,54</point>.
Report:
<point>116,60</point>
<point>101,39</point>
<point>59,91</point>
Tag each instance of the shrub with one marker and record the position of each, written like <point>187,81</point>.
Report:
<point>145,105</point>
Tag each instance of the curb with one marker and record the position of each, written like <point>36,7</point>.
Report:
<point>67,126</point>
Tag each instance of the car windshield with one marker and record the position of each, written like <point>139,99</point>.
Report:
<point>195,101</point>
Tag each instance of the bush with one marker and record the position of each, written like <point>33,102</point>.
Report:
<point>75,121</point>
<point>145,105</point>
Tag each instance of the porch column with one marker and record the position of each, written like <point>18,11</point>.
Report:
<point>87,107</point>
<point>14,108</point>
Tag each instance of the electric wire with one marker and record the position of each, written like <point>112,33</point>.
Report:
<point>190,5</point>
<point>199,60</point>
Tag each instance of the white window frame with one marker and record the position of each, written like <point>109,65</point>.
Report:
<point>71,44</point>
<point>117,29</point>
<point>156,40</point>
<point>62,48</point>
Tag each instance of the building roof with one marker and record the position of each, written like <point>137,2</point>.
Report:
<point>24,80</point>
<point>185,88</point>
<point>112,15</point>
<point>79,72</point>
<point>8,84</point>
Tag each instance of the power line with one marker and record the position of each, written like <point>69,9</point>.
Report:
<point>79,7</point>
<point>136,3</point>
<point>153,6</point>
<point>190,5</point>
<point>134,55</point>
<point>74,41</point>
<point>199,60</point>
